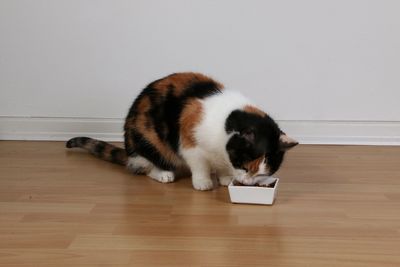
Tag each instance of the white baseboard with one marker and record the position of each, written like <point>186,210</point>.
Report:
<point>60,129</point>
<point>307,132</point>
<point>344,132</point>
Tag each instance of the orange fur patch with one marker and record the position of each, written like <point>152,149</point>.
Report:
<point>190,117</point>
<point>254,110</point>
<point>128,139</point>
<point>144,104</point>
<point>253,166</point>
<point>107,152</point>
<point>180,81</point>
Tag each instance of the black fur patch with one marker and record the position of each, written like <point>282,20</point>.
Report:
<point>130,150</point>
<point>147,150</point>
<point>201,89</point>
<point>77,142</point>
<point>116,156</point>
<point>99,148</point>
<point>266,139</point>
<point>274,161</point>
<point>171,113</point>
<point>70,143</point>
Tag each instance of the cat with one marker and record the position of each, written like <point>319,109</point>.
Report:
<point>189,119</point>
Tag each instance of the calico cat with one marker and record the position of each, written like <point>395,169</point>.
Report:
<point>189,119</point>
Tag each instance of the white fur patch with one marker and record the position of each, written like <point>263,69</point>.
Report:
<point>139,163</point>
<point>246,178</point>
<point>161,176</point>
<point>200,167</point>
<point>225,180</point>
<point>210,134</point>
<point>262,168</point>
<point>286,139</point>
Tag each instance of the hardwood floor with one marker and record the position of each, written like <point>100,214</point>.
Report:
<point>336,206</point>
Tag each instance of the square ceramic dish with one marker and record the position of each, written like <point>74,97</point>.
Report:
<point>253,194</point>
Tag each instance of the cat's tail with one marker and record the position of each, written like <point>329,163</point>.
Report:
<point>99,149</point>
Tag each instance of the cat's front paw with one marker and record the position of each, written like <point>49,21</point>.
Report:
<point>202,184</point>
<point>225,180</point>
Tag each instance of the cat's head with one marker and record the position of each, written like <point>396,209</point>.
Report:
<point>256,147</point>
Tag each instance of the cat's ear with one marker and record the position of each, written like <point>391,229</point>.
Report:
<point>286,142</point>
<point>248,135</point>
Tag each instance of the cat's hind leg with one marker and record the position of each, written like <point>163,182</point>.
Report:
<point>140,165</point>
<point>161,176</point>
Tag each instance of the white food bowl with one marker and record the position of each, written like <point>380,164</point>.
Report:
<point>254,194</point>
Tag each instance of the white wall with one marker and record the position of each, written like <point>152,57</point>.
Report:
<point>312,60</point>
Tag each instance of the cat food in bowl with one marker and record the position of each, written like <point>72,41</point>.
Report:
<point>264,192</point>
